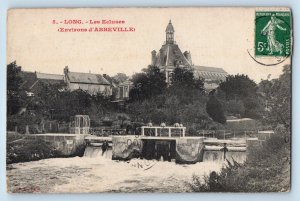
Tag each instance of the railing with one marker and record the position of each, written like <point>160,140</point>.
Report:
<point>226,134</point>
<point>158,131</point>
<point>100,131</point>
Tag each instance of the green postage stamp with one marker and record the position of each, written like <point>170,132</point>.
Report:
<point>273,33</point>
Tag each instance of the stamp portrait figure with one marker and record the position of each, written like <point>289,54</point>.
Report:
<point>270,31</point>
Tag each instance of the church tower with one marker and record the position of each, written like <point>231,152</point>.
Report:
<point>170,33</point>
<point>170,56</point>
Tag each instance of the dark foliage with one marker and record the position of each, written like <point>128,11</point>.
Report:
<point>148,84</point>
<point>277,93</point>
<point>238,86</point>
<point>241,91</point>
<point>29,150</point>
<point>215,110</point>
<point>16,97</point>
<point>182,101</point>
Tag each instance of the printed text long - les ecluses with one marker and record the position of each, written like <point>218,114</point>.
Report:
<point>98,29</point>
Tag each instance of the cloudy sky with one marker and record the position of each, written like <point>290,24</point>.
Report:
<point>218,37</point>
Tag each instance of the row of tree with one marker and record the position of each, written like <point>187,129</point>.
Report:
<point>152,99</point>
<point>185,99</point>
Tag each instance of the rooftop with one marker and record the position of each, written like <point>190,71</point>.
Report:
<point>171,55</point>
<point>88,78</point>
<point>170,28</point>
<point>209,69</point>
<point>48,76</point>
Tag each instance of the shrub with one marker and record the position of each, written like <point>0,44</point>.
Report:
<point>29,150</point>
<point>267,169</point>
<point>215,110</point>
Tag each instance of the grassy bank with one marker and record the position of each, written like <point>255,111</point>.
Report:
<point>267,169</point>
<point>21,149</point>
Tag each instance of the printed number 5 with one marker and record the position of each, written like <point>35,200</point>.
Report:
<point>260,46</point>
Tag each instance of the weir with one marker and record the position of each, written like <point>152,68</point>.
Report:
<point>159,143</point>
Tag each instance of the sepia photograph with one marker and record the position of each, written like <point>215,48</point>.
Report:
<point>149,100</point>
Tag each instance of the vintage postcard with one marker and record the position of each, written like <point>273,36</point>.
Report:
<point>149,100</point>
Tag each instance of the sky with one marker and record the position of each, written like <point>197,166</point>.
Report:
<point>216,37</point>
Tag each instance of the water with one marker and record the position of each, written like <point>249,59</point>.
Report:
<point>218,156</point>
<point>95,172</point>
<point>96,152</point>
<point>101,174</point>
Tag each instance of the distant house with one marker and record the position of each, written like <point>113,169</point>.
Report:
<point>123,90</point>
<point>33,80</point>
<point>50,78</point>
<point>92,83</point>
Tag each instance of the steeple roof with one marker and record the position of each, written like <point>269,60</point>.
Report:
<point>171,55</point>
<point>170,28</point>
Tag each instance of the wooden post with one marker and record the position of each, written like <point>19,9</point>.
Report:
<point>27,129</point>
<point>143,133</point>
<point>183,132</point>
<point>169,132</point>
<point>155,132</point>
<point>224,135</point>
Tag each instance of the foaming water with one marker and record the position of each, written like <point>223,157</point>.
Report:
<point>96,152</point>
<point>101,174</point>
<point>218,156</point>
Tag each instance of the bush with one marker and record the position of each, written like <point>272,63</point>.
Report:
<point>29,150</point>
<point>236,108</point>
<point>215,110</point>
<point>267,169</point>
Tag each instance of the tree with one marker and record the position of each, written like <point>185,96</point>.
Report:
<point>235,107</point>
<point>238,86</point>
<point>16,97</point>
<point>100,105</point>
<point>148,84</point>
<point>215,110</point>
<point>185,86</point>
<point>120,77</point>
<point>184,78</point>
<point>278,99</point>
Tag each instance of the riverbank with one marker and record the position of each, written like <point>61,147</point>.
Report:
<point>267,169</point>
<point>91,175</point>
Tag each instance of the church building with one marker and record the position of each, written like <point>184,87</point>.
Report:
<point>170,56</point>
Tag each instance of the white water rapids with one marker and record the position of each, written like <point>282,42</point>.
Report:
<point>101,174</point>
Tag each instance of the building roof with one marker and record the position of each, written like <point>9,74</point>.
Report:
<point>48,76</point>
<point>171,55</point>
<point>209,69</point>
<point>110,80</point>
<point>31,80</point>
<point>210,73</point>
<point>87,78</point>
<point>28,78</point>
<point>126,83</point>
<point>170,28</point>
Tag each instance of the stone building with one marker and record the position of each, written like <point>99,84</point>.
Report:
<point>33,80</point>
<point>170,56</point>
<point>92,83</point>
<point>123,90</point>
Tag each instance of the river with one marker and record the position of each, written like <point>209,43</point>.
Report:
<point>101,174</point>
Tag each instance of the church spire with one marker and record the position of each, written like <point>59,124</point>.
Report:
<point>170,33</point>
